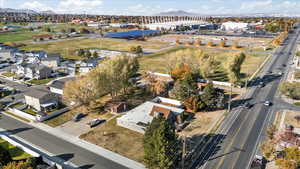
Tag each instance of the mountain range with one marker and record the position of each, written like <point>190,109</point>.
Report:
<point>29,11</point>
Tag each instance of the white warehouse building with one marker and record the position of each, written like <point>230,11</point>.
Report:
<point>235,26</point>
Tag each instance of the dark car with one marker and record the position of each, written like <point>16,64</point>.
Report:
<point>95,122</point>
<point>248,105</point>
<point>283,65</point>
<point>78,117</point>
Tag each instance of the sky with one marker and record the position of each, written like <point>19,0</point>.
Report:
<point>150,7</point>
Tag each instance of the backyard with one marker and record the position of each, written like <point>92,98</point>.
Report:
<point>68,47</point>
<point>117,139</point>
<point>16,153</point>
<point>41,81</point>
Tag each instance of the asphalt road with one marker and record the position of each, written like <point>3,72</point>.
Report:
<point>58,147</point>
<point>235,145</point>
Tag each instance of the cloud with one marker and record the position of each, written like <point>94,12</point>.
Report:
<point>35,5</point>
<point>256,5</point>
<point>75,5</point>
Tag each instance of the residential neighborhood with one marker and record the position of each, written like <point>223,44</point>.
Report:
<point>92,84</point>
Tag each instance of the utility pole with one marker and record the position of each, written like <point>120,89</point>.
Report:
<point>183,151</point>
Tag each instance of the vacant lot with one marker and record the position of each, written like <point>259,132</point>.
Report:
<point>67,48</point>
<point>158,62</point>
<point>15,153</point>
<point>117,139</point>
<point>291,118</point>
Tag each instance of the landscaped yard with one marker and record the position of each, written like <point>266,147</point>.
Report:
<point>67,48</point>
<point>16,105</point>
<point>8,74</point>
<point>41,82</point>
<point>158,62</point>
<point>16,153</point>
<point>29,111</point>
<point>117,139</point>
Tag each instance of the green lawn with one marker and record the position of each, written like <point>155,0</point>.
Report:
<point>8,74</point>
<point>16,153</point>
<point>29,111</point>
<point>41,82</point>
<point>18,36</point>
<point>16,105</point>
<point>68,47</point>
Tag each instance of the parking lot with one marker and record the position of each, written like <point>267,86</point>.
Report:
<point>76,128</point>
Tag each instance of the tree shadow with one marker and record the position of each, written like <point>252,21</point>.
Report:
<point>18,130</point>
<point>205,147</point>
<point>266,80</point>
<point>88,166</point>
<point>237,103</point>
<point>65,157</point>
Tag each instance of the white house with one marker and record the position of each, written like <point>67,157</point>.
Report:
<point>234,26</point>
<point>140,117</point>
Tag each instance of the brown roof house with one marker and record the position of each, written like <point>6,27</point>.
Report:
<point>41,100</point>
<point>140,117</point>
<point>116,108</point>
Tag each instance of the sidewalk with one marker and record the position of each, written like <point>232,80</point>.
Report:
<point>86,145</point>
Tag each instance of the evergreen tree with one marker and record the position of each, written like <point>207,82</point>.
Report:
<point>212,97</point>
<point>160,145</point>
<point>4,156</point>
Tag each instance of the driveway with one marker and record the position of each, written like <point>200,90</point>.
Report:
<point>76,128</point>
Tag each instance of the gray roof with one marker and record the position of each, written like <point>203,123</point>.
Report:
<point>36,93</point>
<point>60,84</point>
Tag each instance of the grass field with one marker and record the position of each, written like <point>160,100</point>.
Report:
<point>18,36</point>
<point>67,48</point>
<point>15,153</point>
<point>117,139</point>
<point>41,82</point>
<point>8,74</point>
<point>157,62</point>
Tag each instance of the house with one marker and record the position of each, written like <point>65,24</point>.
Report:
<point>51,60</point>
<point>33,71</point>
<point>7,53</point>
<point>41,100</point>
<point>57,86</point>
<point>140,117</point>
<point>116,107</point>
<point>87,66</point>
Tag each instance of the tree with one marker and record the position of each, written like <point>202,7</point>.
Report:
<point>234,65</point>
<point>160,144</point>
<point>235,45</point>
<point>194,104</point>
<point>80,52</point>
<point>84,31</point>
<point>212,97</point>
<point>88,54</point>
<point>198,43</point>
<point>268,149</point>
<point>80,91</point>
<point>210,44</point>
<point>63,31</point>
<point>17,165</point>
<point>222,43</point>
<point>184,88</point>
<point>71,30</point>
<point>4,156</point>
<point>271,130</point>
<point>290,159</point>
<point>95,55</point>
<point>180,71</point>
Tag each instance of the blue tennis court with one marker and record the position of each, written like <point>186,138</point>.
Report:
<point>132,34</point>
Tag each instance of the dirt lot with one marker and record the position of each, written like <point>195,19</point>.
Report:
<point>117,139</point>
<point>290,118</point>
<point>244,41</point>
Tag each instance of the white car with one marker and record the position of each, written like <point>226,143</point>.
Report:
<point>267,103</point>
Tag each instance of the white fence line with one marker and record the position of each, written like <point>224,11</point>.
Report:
<point>41,119</point>
<point>18,145</point>
<point>22,114</point>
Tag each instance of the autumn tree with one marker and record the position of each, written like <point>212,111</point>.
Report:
<point>268,149</point>
<point>234,65</point>
<point>290,159</point>
<point>210,44</point>
<point>80,91</point>
<point>222,43</point>
<point>271,131</point>
<point>180,71</point>
<point>198,43</point>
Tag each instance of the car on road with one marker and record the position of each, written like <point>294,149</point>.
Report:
<point>267,103</point>
<point>95,122</point>
<point>257,162</point>
<point>283,65</point>
<point>280,73</point>
<point>261,84</point>
<point>78,117</point>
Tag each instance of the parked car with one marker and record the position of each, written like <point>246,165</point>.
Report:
<point>261,84</point>
<point>257,162</point>
<point>95,122</point>
<point>268,103</point>
<point>78,117</point>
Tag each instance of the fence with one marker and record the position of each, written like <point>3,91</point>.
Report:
<point>43,118</point>
<point>22,114</point>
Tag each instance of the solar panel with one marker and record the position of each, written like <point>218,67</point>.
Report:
<point>131,34</point>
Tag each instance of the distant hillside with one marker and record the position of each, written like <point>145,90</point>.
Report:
<point>29,11</point>
<point>176,13</point>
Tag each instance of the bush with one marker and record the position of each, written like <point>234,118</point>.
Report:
<point>4,156</point>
